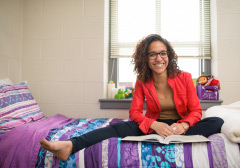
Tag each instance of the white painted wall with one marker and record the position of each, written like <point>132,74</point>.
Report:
<point>11,39</point>
<point>61,48</point>
<point>225,47</point>
<point>65,56</point>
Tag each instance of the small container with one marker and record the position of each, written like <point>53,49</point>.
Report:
<point>110,87</point>
<point>207,92</point>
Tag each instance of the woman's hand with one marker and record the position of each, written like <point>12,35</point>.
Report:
<point>162,129</point>
<point>179,128</point>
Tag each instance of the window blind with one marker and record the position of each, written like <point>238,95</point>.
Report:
<point>184,23</point>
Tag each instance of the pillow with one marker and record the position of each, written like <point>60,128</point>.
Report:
<point>6,81</point>
<point>17,107</point>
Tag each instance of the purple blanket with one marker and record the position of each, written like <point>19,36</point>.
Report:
<point>11,147</point>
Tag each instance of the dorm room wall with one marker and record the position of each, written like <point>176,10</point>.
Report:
<point>65,56</point>
<point>225,26</point>
<point>11,39</point>
<point>63,46</point>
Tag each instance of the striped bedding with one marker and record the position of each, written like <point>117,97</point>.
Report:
<point>220,152</point>
<point>17,107</point>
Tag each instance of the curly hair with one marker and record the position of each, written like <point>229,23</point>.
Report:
<point>140,58</point>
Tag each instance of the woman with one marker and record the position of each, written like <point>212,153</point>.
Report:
<point>172,104</point>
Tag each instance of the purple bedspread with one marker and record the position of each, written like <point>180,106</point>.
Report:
<point>29,145</point>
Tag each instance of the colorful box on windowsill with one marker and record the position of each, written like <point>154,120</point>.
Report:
<point>207,92</point>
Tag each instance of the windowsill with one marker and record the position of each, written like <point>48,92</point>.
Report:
<point>126,103</point>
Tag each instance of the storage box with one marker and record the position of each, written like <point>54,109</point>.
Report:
<point>207,92</point>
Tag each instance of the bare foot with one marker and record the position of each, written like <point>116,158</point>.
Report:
<point>62,149</point>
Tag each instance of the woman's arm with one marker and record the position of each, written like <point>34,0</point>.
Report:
<point>193,105</point>
<point>136,110</point>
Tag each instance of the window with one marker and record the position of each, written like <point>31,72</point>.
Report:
<point>184,23</point>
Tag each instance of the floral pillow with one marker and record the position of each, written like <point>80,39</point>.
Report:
<point>17,107</point>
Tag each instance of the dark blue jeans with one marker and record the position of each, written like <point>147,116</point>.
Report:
<point>205,127</point>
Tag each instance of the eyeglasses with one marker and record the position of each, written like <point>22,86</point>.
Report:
<point>153,55</point>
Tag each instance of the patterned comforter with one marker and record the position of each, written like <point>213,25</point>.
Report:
<point>113,152</point>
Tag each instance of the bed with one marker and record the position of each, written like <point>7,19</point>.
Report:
<point>23,125</point>
<point>20,148</point>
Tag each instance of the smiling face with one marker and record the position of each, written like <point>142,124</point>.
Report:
<point>159,64</point>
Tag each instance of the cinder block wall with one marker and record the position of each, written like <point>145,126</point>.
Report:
<point>225,47</point>
<point>65,56</point>
<point>11,39</point>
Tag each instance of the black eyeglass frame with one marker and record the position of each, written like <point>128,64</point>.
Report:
<point>156,54</point>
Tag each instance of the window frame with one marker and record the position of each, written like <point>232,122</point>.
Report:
<point>113,70</point>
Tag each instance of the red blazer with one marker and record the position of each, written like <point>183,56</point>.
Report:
<point>185,98</point>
